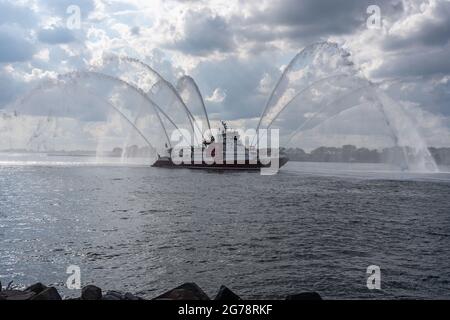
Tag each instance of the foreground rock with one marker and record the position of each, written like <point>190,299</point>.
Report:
<point>226,294</point>
<point>187,291</point>
<point>47,294</point>
<point>113,295</point>
<point>15,295</point>
<point>91,293</point>
<point>36,288</point>
<point>129,296</point>
<point>37,291</point>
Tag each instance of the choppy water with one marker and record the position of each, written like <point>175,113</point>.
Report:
<point>145,230</point>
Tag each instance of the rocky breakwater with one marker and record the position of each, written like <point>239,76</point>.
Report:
<point>187,291</point>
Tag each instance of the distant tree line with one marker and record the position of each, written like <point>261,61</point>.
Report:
<point>132,152</point>
<point>350,153</point>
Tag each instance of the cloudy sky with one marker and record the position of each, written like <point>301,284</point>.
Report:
<point>235,49</point>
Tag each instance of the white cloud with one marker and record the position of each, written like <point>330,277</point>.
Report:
<point>266,84</point>
<point>217,96</point>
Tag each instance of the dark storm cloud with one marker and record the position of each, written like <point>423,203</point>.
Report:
<point>240,79</point>
<point>203,33</point>
<point>334,16</point>
<point>419,63</point>
<point>56,36</point>
<point>432,30</point>
<point>430,94</point>
<point>312,19</point>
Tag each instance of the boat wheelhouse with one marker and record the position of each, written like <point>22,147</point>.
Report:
<point>225,152</point>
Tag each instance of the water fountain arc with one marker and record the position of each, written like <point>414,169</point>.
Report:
<point>285,72</point>
<point>108,103</point>
<point>309,76</point>
<point>373,91</point>
<point>326,106</point>
<point>78,74</point>
<point>318,84</point>
<point>162,80</point>
<point>187,79</point>
<point>300,93</point>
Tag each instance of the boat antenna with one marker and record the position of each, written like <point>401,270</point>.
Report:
<point>225,126</point>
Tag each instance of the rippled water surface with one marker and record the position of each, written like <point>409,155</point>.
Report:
<point>145,230</point>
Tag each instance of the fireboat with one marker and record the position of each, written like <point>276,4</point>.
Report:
<point>227,153</point>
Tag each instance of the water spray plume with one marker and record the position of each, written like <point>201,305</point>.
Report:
<point>322,83</point>
<point>320,89</point>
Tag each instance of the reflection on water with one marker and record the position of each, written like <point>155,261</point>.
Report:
<point>311,227</point>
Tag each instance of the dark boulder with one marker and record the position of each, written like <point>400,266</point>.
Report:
<point>226,294</point>
<point>91,292</point>
<point>113,295</point>
<point>187,291</point>
<point>36,288</point>
<point>305,296</point>
<point>9,286</point>
<point>15,295</point>
<point>129,296</point>
<point>48,294</point>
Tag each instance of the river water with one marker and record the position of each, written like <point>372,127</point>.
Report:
<point>312,227</point>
